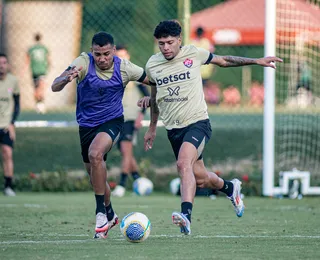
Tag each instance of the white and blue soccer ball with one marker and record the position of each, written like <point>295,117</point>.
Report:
<point>175,186</point>
<point>142,186</point>
<point>135,227</point>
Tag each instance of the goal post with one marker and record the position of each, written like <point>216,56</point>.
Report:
<point>269,101</point>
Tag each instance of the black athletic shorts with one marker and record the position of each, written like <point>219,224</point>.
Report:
<point>129,132</point>
<point>87,134</point>
<point>198,134</point>
<point>5,137</point>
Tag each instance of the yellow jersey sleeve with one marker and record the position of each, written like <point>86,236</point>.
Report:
<point>203,55</point>
<point>130,71</point>
<point>84,61</point>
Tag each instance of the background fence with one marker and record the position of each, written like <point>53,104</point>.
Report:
<point>235,95</point>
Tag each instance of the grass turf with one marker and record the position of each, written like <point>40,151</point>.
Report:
<point>60,226</point>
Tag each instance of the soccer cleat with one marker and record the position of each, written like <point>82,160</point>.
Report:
<point>102,226</point>
<point>100,235</point>
<point>236,198</point>
<point>9,192</point>
<point>119,191</point>
<point>101,222</point>
<point>40,108</point>
<point>181,220</point>
<point>113,222</point>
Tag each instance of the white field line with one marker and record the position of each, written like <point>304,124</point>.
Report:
<point>58,124</point>
<point>26,205</point>
<point>75,241</point>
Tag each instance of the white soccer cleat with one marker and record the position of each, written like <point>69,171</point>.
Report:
<point>9,192</point>
<point>102,226</point>
<point>113,222</point>
<point>104,234</point>
<point>101,222</point>
<point>181,220</point>
<point>235,198</point>
<point>119,191</point>
<point>40,108</point>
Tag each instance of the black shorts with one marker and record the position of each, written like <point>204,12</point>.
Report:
<point>112,127</point>
<point>5,138</point>
<point>198,134</point>
<point>129,132</point>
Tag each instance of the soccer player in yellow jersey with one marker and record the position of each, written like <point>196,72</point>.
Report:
<point>177,97</point>
<point>9,110</point>
<point>133,117</point>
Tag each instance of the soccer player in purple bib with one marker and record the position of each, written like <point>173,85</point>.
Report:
<point>101,79</point>
<point>177,97</point>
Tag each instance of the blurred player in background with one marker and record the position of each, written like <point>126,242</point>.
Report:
<point>9,111</point>
<point>101,79</point>
<point>202,42</point>
<point>177,96</point>
<point>39,62</point>
<point>133,117</point>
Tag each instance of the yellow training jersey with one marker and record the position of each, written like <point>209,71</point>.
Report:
<point>8,87</point>
<point>206,71</point>
<point>130,98</point>
<point>180,96</point>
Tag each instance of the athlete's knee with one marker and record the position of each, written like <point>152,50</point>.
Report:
<point>95,156</point>
<point>6,153</point>
<point>183,166</point>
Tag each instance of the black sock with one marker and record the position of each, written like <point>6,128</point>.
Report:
<point>110,212</point>
<point>186,209</point>
<point>227,188</point>
<point>100,204</point>
<point>135,175</point>
<point>7,182</point>
<point>123,179</point>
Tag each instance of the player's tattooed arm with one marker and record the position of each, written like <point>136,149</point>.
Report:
<point>236,61</point>
<point>67,76</point>
<point>154,110</point>
<point>154,114</point>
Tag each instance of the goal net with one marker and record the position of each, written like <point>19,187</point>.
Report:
<point>297,118</point>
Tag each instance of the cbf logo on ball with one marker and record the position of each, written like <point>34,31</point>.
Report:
<point>188,63</point>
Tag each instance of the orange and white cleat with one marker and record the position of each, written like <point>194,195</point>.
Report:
<point>235,198</point>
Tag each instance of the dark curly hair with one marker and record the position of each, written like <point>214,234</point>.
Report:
<point>102,39</point>
<point>167,28</point>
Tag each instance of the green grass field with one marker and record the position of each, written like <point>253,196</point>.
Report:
<point>60,226</point>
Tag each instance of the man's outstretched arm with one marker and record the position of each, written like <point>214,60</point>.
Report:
<point>236,61</point>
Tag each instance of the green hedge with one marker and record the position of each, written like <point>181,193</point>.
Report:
<point>61,181</point>
<point>55,149</point>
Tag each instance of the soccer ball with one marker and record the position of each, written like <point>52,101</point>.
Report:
<point>175,186</point>
<point>142,186</point>
<point>135,227</point>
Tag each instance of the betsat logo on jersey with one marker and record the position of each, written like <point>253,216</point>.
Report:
<point>173,78</point>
